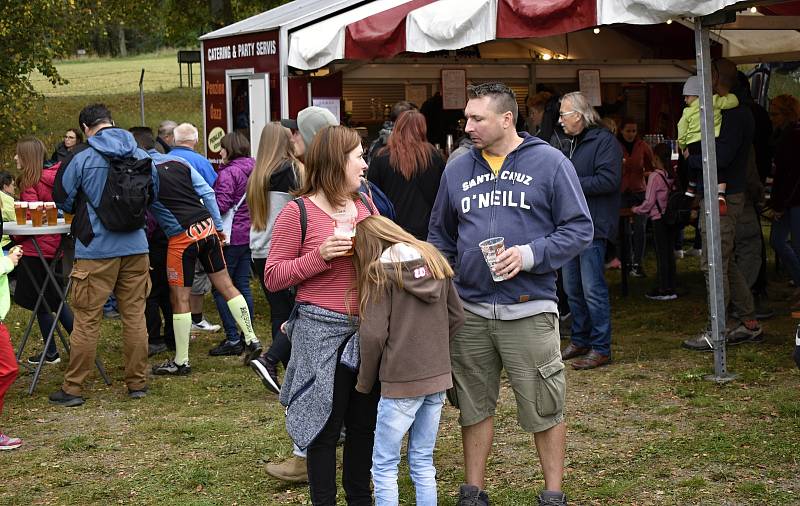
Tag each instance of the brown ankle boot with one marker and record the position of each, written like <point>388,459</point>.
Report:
<point>293,470</point>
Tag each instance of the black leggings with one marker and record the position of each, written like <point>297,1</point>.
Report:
<point>664,236</point>
<point>280,306</point>
<point>358,413</point>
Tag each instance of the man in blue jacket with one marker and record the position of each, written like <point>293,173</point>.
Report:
<point>105,260</point>
<point>518,187</point>
<point>597,157</point>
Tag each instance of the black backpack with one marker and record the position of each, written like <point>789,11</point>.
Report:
<point>679,206</point>
<point>127,194</point>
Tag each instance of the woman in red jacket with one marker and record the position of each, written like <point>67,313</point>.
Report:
<point>36,185</point>
<point>637,164</point>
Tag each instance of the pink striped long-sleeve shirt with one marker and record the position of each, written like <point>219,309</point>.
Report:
<point>324,284</point>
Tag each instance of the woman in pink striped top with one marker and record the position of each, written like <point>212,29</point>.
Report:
<point>319,385</point>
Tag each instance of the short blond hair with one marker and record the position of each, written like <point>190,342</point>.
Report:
<point>185,132</point>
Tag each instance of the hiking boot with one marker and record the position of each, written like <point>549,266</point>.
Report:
<point>62,398</point>
<point>547,498</point>
<point>747,331</point>
<point>204,326</point>
<point>9,443</point>
<point>170,368</point>
<point>293,470</point>
<point>701,342</point>
<point>267,371</point>
<point>637,271</point>
<point>138,393</point>
<point>49,360</point>
<point>252,351</point>
<point>470,495</point>
<point>227,349</point>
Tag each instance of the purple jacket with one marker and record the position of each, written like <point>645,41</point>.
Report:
<point>230,185</point>
<point>656,196</point>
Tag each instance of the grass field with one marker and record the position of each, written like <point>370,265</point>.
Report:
<point>647,430</point>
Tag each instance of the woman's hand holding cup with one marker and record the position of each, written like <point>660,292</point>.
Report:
<point>335,246</point>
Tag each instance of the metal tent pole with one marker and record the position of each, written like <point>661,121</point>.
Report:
<point>716,299</point>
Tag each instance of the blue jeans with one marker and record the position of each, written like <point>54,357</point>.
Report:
<point>788,251</point>
<point>587,291</point>
<point>237,258</point>
<point>419,416</point>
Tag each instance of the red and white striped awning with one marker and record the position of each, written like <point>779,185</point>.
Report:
<point>384,28</point>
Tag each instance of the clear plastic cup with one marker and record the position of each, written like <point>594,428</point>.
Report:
<point>344,225</point>
<point>21,211</point>
<point>36,210</point>
<point>51,212</point>
<point>491,248</point>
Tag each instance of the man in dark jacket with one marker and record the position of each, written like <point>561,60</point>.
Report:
<point>733,145</point>
<point>518,187</point>
<point>597,157</point>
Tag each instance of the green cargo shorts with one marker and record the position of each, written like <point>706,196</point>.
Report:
<point>528,349</point>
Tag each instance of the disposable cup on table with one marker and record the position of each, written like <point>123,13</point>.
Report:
<point>21,211</point>
<point>344,225</point>
<point>51,213</point>
<point>68,218</point>
<point>491,248</point>
<point>36,210</point>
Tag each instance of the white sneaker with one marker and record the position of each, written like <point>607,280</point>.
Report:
<point>205,326</point>
<point>692,252</point>
<point>679,253</point>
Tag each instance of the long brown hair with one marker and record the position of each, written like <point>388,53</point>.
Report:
<point>326,162</point>
<point>274,149</point>
<point>373,235</point>
<point>409,150</point>
<point>31,154</point>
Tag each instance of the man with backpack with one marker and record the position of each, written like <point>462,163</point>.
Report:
<point>107,186</point>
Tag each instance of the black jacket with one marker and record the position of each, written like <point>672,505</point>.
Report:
<point>412,199</point>
<point>734,143</point>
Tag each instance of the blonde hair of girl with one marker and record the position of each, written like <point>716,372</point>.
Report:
<point>31,154</point>
<point>373,235</point>
<point>274,148</point>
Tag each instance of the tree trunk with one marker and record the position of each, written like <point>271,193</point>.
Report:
<point>123,49</point>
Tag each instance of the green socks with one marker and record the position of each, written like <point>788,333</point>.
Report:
<point>182,326</point>
<point>241,314</point>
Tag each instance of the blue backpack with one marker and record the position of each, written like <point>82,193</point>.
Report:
<point>382,202</point>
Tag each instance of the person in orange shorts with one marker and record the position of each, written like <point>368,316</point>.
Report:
<point>187,212</point>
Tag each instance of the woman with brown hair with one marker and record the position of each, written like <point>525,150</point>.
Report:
<point>36,185</point>
<point>230,188</point>
<point>784,111</point>
<point>319,386</point>
<point>408,171</point>
<point>275,177</point>
<point>65,148</point>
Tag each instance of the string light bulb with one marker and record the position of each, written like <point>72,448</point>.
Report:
<point>596,31</point>
<point>546,56</point>
<point>753,10</point>
<point>669,21</point>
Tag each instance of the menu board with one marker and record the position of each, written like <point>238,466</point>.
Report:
<point>333,104</point>
<point>589,84</point>
<point>454,88</point>
<point>417,94</point>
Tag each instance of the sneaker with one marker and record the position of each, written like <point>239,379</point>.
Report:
<point>679,254</point>
<point>112,315</point>
<point>748,331</point>
<point>614,263</point>
<point>637,271</point>
<point>169,367</point>
<point>204,326</point>
<point>62,398</point>
<point>293,470</point>
<point>9,443</point>
<point>470,495</point>
<point>658,294</point>
<point>227,349</point>
<point>268,373</point>
<point>138,394</point>
<point>693,252</point>
<point>252,351</point>
<point>35,359</point>
<point>701,342</point>
<point>723,205</point>
<point>547,498</point>
<point>155,349</point>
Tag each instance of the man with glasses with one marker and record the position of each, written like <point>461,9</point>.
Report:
<point>597,157</point>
